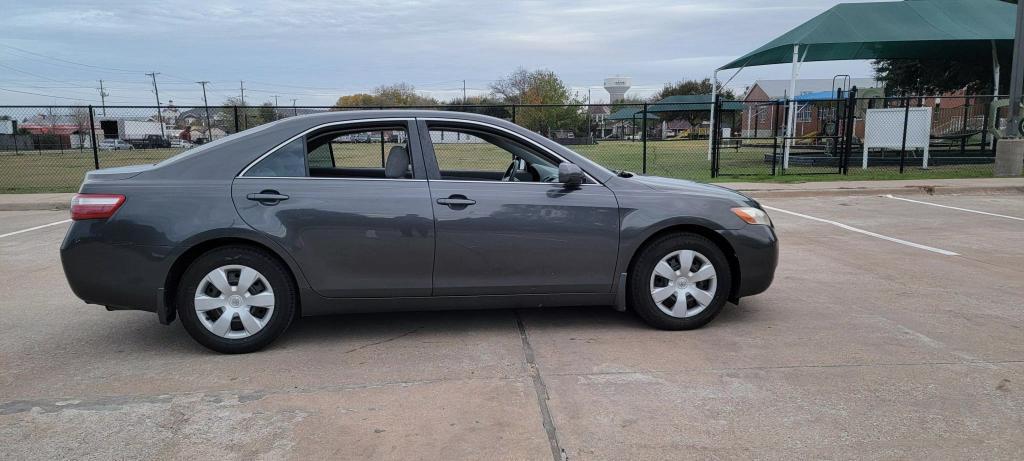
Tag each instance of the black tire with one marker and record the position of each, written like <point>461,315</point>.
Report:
<point>276,273</point>
<point>640,279</point>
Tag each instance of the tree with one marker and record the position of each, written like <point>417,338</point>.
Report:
<point>541,87</point>
<point>397,94</point>
<point>355,100</point>
<point>686,88</point>
<point>924,76</point>
<point>485,105</point>
<point>690,87</point>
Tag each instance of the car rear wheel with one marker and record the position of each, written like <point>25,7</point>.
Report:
<point>679,282</point>
<point>236,299</point>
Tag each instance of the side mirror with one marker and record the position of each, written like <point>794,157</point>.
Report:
<point>570,175</point>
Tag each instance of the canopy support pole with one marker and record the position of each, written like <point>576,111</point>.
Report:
<point>1016,77</point>
<point>714,99</point>
<point>791,119</point>
<point>995,72</point>
<point>995,91</point>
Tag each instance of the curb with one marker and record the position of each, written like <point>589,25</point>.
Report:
<point>906,190</point>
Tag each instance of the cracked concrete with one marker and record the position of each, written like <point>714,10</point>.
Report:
<point>862,349</point>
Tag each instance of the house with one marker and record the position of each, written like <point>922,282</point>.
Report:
<point>774,90</point>
<point>765,112</point>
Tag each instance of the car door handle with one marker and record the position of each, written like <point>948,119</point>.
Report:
<point>456,201</point>
<point>267,197</point>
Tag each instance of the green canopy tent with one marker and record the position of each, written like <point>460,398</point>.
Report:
<point>911,29</point>
<point>631,114</point>
<point>693,103</point>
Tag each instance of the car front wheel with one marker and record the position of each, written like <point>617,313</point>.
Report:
<point>236,299</point>
<point>679,282</point>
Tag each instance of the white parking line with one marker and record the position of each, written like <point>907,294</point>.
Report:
<point>34,228</point>
<point>954,208</point>
<point>862,231</point>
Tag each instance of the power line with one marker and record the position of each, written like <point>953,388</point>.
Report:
<point>114,69</point>
<point>47,95</point>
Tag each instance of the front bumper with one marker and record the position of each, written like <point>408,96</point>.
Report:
<point>756,250</point>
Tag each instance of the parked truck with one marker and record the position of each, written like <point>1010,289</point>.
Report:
<point>140,134</point>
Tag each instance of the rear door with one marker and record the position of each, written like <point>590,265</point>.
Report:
<point>505,225</point>
<point>326,198</point>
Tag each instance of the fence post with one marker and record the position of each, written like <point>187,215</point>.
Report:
<point>92,135</point>
<point>713,134</point>
<point>643,136</point>
<point>235,108</point>
<point>906,120</point>
<point>513,113</point>
<point>851,115</point>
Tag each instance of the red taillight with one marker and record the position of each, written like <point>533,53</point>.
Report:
<point>95,206</point>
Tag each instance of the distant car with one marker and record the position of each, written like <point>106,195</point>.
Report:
<point>151,141</point>
<point>181,144</point>
<point>114,144</point>
<point>238,237</point>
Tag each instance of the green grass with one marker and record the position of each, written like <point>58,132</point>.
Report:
<point>55,171</point>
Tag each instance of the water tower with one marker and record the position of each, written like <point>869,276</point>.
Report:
<point>617,87</point>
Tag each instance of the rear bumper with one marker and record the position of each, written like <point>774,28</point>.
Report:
<point>119,276</point>
<point>757,255</point>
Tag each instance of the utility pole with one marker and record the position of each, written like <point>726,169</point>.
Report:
<point>103,99</point>
<point>275,101</point>
<point>295,110</point>
<point>245,115</point>
<point>159,116</point>
<point>206,106</point>
<point>464,100</point>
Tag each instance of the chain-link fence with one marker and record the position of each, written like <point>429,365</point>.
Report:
<point>49,148</point>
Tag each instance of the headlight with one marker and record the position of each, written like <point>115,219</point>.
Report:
<point>752,215</point>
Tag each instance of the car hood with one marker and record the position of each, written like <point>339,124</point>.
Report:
<point>691,187</point>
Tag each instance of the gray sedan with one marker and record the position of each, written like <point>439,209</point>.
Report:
<point>443,210</point>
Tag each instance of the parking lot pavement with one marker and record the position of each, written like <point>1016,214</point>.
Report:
<point>864,347</point>
<point>15,221</point>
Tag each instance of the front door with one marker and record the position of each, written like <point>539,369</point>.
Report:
<point>506,226</point>
<point>351,208</point>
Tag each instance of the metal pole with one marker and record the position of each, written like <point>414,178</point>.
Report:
<point>1016,77</point>
<point>906,119</point>
<point>791,122</point>
<point>236,118</point>
<point>159,116</point>
<point>643,135</point>
<point>714,100</point>
<point>92,131</point>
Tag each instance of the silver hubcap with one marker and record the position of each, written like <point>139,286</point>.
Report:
<point>683,283</point>
<point>234,301</point>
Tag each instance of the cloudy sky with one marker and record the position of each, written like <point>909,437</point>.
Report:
<point>313,51</point>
